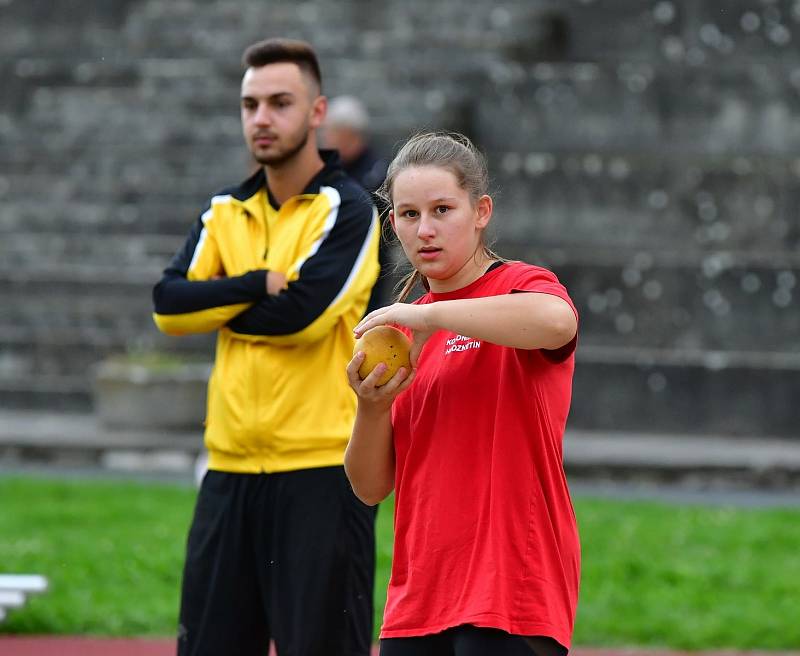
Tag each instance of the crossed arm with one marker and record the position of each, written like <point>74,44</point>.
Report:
<point>195,294</point>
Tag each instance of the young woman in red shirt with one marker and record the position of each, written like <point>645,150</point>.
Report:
<point>486,552</point>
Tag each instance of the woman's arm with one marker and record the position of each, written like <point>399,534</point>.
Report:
<point>369,458</point>
<point>528,320</point>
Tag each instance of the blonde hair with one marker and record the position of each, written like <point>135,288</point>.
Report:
<point>448,150</point>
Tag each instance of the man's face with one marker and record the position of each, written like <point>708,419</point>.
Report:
<point>280,107</point>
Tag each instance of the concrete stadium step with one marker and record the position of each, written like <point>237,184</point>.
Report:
<point>56,373</point>
<point>657,172</point>
<point>717,301</point>
<point>67,32</point>
<point>653,314</point>
<point>628,199</point>
<point>696,392</point>
<point>581,89</point>
<point>621,198</point>
<point>708,460</point>
<point>669,33</point>
<point>615,388</point>
<point>717,280</point>
<point>65,16</point>
<point>78,114</point>
<point>167,27</point>
<point>103,275</point>
<point>26,74</point>
<point>210,83</point>
<point>125,214</point>
<point>30,249</point>
<point>129,183</point>
<point>67,352</point>
<point>73,351</point>
<point>67,393</point>
<point>95,162</point>
<point>48,437</point>
<point>44,315</point>
<point>622,104</point>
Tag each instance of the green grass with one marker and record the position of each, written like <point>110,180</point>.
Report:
<point>112,552</point>
<point>688,577</point>
<point>654,574</point>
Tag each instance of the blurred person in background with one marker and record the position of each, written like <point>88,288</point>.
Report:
<point>346,129</point>
<point>281,266</point>
<point>486,556</point>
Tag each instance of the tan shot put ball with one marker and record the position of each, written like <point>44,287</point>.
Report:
<point>383,344</point>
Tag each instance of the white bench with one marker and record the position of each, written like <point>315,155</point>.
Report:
<point>15,588</point>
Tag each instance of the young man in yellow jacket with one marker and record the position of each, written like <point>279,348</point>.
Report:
<point>281,266</point>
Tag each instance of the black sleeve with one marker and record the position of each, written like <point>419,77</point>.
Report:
<point>321,277</point>
<point>174,294</point>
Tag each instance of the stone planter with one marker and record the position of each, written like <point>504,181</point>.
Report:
<point>131,395</point>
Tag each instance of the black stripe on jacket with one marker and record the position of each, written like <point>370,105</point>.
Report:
<point>321,277</point>
<point>174,294</point>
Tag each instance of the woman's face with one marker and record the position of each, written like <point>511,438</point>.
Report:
<point>438,226</point>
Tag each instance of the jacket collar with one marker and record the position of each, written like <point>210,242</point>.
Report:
<point>246,192</point>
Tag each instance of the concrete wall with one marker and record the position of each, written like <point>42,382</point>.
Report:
<point>649,152</point>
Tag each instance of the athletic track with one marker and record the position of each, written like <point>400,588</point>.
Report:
<point>78,646</point>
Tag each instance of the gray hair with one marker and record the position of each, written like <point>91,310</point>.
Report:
<point>347,112</point>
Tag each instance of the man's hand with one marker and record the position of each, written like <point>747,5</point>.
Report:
<point>276,281</point>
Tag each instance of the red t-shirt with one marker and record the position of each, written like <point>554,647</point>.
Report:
<point>485,532</point>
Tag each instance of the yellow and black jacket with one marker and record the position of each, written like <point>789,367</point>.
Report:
<point>278,397</point>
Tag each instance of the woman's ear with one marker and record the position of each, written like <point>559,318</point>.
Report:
<point>484,208</point>
<point>391,221</point>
